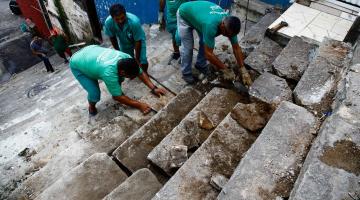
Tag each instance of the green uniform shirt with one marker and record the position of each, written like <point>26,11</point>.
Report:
<point>59,43</point>
<point>128,34</point>
<point>205,17</point>
<point>171,8</point>
<point>100,63</point>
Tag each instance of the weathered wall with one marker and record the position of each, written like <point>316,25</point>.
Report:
<point>78,20</point>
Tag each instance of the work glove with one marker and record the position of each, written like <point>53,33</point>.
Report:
<point>245,76</point>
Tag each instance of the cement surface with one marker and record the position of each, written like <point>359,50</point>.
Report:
<point>47,113</point>
<point>218,155</point>
<point>256,33</point>
<point>82,182</point>
<point>331,169</point>
<point>133,152</point>
<point>317,86</point>
<point>264,54</point>
<point>215,105</point>
<point>294,59</point>
<point>270,89</point>
<point>142,185</point>
<point>270,167</point>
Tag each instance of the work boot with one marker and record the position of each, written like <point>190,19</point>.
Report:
<point>190,79</point>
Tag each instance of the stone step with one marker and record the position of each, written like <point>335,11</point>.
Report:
<point>218,156</point>
<point>142,185</point>
<point>256,33</point>
<point>264,54</point>
<point>67,159</point>
<point>270,167</point>
<point>132,153</point>
<point>270,89</point>
<point>188,134</point>
<point>332,168</point>
<point>317,86</point>
<point>92,179</point>
<point>294,59</point>
<point>104,139</point>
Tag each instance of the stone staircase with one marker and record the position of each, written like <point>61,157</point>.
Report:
<point>217,144</point>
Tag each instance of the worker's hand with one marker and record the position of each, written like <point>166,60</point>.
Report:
<point>145,108</point>
<point>159,91</point>
<point>245,76</point>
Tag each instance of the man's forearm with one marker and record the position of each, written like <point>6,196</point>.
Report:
<point>146,80</point>
<point>114,43</point>
<point>127,101</point>
<point>213,59</point>
<point>238,55</point>
<point>137,51</point>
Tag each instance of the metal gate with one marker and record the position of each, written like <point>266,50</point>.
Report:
<point>146,10</point>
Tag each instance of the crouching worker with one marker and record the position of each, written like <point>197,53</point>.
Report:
<point>93,63</point>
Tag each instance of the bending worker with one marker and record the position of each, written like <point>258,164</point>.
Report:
<point>125,28</point>
<point>209,20</point>
<point>93,63</point>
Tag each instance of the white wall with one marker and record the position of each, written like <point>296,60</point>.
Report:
<point>78,21</point>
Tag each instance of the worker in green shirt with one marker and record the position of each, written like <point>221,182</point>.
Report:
<point>210,21</point>
<point>60,42</point>
<point>171,23</point>
<point>125,29</point>
<point>93,63</point>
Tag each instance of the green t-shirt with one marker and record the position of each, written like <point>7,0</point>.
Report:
<point>130,33</point>
<point>59,43</point>
<point>205,17</point>
<point>171,8</point>
<point>100,63</point>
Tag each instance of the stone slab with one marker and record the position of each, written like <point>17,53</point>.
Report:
<point>263,56</point>
<point>270,167</point>
<point>217,156</point>
<point>332,167</point>
<point>132,153</point>
<point>317,86</point>
<point>270,89</point>
<point>46,176</point>
<point>102,139</point>
<point>108,138</point>
<point>252,116</point>
<point>294,59</point>
<point>142,185</point>
<point>215,105</point>
<point>348,96</point>
<point>256,33</point>
<point>92,179</point>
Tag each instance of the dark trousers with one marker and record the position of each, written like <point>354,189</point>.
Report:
<point>47,63</point>
<point>67,51</point>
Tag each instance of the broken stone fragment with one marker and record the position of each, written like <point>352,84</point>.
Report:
<point>270,89</point>
<point>252,116</point>
<point>218,181</point>
<point>178,155</point>
<point>204,121</point>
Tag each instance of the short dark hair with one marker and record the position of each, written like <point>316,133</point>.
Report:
<point>232,24</point>
<point>129,66</point>
<point>116,10</point>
